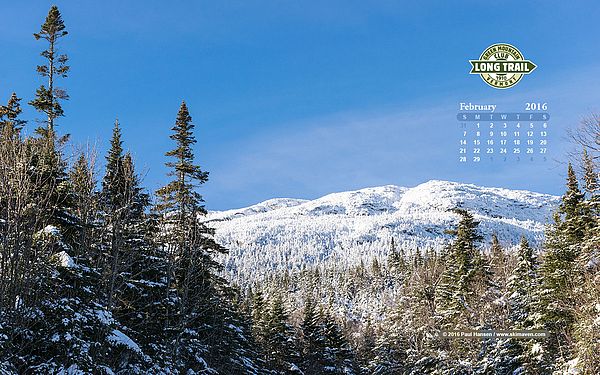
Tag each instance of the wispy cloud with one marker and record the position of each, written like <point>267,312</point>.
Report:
<point>408,146</point>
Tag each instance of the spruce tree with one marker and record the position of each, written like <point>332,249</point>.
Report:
<point>280,344</point>
<point>85,204</point>
<point>397,261</point>
<point>10,123</point>
<point>559,274</point>
<point>497,257</point>
<point>47,160</point>
<point>586,330</point>
<point>133,269</point>
<point>575,213</point>
<point>522,286</point>
<point>456,292</point>
<point>590,178</point>
<point>511,355</point>
<point>313,341</point>
<point>338,357</point>
<point>47,98</point>
<point>259,310</point>
<point>113,198</point>
<point>195,291</point>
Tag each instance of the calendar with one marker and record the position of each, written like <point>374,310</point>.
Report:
<point>489,134</point>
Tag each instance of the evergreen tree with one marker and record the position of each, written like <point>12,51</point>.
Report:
<point>259,310</point>
<point>590,177</point>
<point>85,204</point>
<point>10,123</point>
<point>497,256</point>
<point>116,199</point>
<point>47,161</point>
<point>390,353</point>
<point>511,355</point>
<point>456,292</point>
<point>313,342</point>
<point>396,260</point>
<point>280,345</point>
<point>560,275</point>
<point>575,214</point>
<point>586,330</point>
<point>522,286</point>
<point>338,357</point>
<point>197,311</point>
<point>365,350</point>
<point>47,98</point>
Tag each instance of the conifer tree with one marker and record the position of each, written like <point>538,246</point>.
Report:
<point>133,269</point>
<point>312,339</point>
<point>586,330</point>
<point>366,346</point>
<point>9,116</point>
<point>396,260</point>
<point>390,351</point>
<point>511,355</point>
<point>497,257</point>
<point>338,357</point>
<point>259,310</point>
<point>559,273</point>
<point>522,286</point>
<point>590,178</point>
<point>47,98</point>
<point>456,292</point>
<point>280,345</point>
<point>195,291</point>
<point>113,198</point>
<point>85,203</point>
<point>48,164</point>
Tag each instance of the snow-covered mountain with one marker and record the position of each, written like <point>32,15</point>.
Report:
<point>343,228</point>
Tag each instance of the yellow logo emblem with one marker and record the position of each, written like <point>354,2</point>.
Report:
<point>501,66</point>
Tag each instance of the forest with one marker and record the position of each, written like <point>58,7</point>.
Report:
<point>98,275</point>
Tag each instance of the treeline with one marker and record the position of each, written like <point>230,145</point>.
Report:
<point>99,276</point>
<point>94,278</point>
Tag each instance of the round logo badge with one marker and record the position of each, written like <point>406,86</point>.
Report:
<point>501,66</point>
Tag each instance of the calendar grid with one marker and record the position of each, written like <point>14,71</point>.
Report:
<point>503,136</point>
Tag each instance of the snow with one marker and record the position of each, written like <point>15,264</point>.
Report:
<point>266,206</point>
<point>51,230</point>
<point>296,369</point>
<point>65,260</point>
<point>119,338</point>
<point>72,370</point>
<point>593,263</point>
<point>104,317</point>
<point>572,366</point>
<point>345,228</point>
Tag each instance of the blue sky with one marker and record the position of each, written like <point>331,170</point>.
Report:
<point>300,99</point>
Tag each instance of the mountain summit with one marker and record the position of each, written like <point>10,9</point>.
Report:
<point>343,228</point>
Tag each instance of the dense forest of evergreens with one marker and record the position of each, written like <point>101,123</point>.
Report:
<point>100,276</point>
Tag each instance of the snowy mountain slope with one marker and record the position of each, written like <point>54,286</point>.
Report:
<point>343,228</point>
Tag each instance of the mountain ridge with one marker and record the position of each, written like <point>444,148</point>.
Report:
<point>343,228</point>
